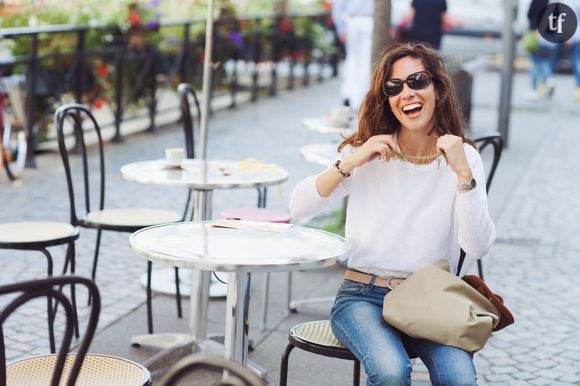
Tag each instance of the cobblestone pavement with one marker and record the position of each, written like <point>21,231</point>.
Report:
<point>534,264</point>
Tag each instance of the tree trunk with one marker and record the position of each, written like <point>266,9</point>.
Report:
<point>381,29</point>
<point>281,7</point>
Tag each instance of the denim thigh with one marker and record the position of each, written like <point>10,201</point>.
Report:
<point>357,321</point>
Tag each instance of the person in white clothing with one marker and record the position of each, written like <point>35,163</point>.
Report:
<point>353,20</point>
<point>416,189</point>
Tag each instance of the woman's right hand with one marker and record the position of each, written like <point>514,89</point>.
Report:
<point>376,146</point>
<point>379,145</point>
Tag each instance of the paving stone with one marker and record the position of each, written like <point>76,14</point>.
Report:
<point>541,381</point>
<point>503,369</point>
<point>501,378</point>
<point>573,379</point>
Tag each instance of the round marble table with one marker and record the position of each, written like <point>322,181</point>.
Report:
<point>325,125</point>
<point>204,247</point>
<point>321,153</point>
<point>203,176</point>
<point>206,175</point>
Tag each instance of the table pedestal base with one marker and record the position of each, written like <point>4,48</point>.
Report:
<point>160,341</point>
<point>177,346</point>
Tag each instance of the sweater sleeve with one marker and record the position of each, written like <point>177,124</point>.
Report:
<point>306,201</point>
<point>476,228</point>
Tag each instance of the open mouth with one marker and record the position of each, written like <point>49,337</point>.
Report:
<point>412,109</point>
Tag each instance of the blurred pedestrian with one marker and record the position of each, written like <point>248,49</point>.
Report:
<point>353,20</point>
<point>542,55</point>
<point>428,19</point>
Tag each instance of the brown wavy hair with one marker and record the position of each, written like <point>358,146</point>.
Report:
<point>376,117</point>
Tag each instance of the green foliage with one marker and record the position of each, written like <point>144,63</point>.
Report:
<point>335,223</point>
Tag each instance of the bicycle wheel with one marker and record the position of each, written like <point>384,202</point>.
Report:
<point>14,150</point>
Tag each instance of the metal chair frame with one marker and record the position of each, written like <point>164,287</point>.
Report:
<point>51,288</point>
<point>42,246</point>
<point>335,352</point>
<point>45,288</point>
<point>76,112</point>
<point>496,142</point>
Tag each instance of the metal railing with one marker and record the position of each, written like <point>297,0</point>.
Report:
<point>130,67</point>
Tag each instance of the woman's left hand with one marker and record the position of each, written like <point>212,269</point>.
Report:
<point>452,146</point>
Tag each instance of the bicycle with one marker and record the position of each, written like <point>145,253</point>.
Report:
<point>13,144</point>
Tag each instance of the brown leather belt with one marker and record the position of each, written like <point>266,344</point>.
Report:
<point>365,278</point>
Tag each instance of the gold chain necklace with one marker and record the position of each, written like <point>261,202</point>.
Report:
<point>416,159</point>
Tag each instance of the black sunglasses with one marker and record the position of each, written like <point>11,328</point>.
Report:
<point>415,81</point>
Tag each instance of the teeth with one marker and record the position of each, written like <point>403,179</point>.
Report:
<point>411,106</point>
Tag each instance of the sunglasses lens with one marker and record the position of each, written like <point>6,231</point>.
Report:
<point>393,87</point>
<point>419,80</point>
<point>416,81</point>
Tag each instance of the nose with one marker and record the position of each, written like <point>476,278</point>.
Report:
<point>407,92</point>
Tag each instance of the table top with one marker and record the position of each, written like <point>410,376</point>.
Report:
<point>325,125</point>
<point>199,245</point>
<point>323,153</point>
<point>206,174</point>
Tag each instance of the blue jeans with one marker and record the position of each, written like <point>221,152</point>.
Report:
<point>542,65</point>
<point>357,321</point>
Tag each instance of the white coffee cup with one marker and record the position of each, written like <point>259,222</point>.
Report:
<point>174,156</point>
<point>340,114</point>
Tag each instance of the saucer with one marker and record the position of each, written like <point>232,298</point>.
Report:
<point>167,165</point>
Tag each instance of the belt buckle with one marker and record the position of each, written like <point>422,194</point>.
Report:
<point>389,286</point>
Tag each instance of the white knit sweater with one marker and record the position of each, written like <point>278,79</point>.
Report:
<point>402,217</point>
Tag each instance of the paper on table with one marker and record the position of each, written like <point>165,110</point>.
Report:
<point>253,225</point>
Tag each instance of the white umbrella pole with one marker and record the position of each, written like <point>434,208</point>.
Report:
<point>206,85</point>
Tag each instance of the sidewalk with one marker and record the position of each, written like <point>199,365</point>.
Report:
<point>533,265</point>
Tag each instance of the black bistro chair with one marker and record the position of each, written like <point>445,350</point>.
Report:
<point>495,143</point>
<point>237,375</point>
<point>39,236</point>
<point>65,367</point>
<point>89,211</point>
<point>317,337</point>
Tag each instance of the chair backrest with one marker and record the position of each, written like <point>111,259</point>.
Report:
<point>52,289</point>
<point>237,375</point>
<point>83,122</point>
<point>496,142</point>
<point>186,93</point>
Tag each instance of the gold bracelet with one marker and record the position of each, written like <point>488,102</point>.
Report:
<point>339,170</point>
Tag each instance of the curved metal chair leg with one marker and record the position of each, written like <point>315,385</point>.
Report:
<point>70,256</point>
<point>284,365</point>
<point>96,256</point>
<point>149,303</point>
<point>356,375</point>
<point>480,268</point>
<point>50,312</point>
<point>178,293</point>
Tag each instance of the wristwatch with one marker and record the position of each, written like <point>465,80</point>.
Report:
<point>467,186</point>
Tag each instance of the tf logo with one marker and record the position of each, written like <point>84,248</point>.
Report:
<point>557,22</point>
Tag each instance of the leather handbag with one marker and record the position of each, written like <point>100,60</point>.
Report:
<point>436,305</point>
